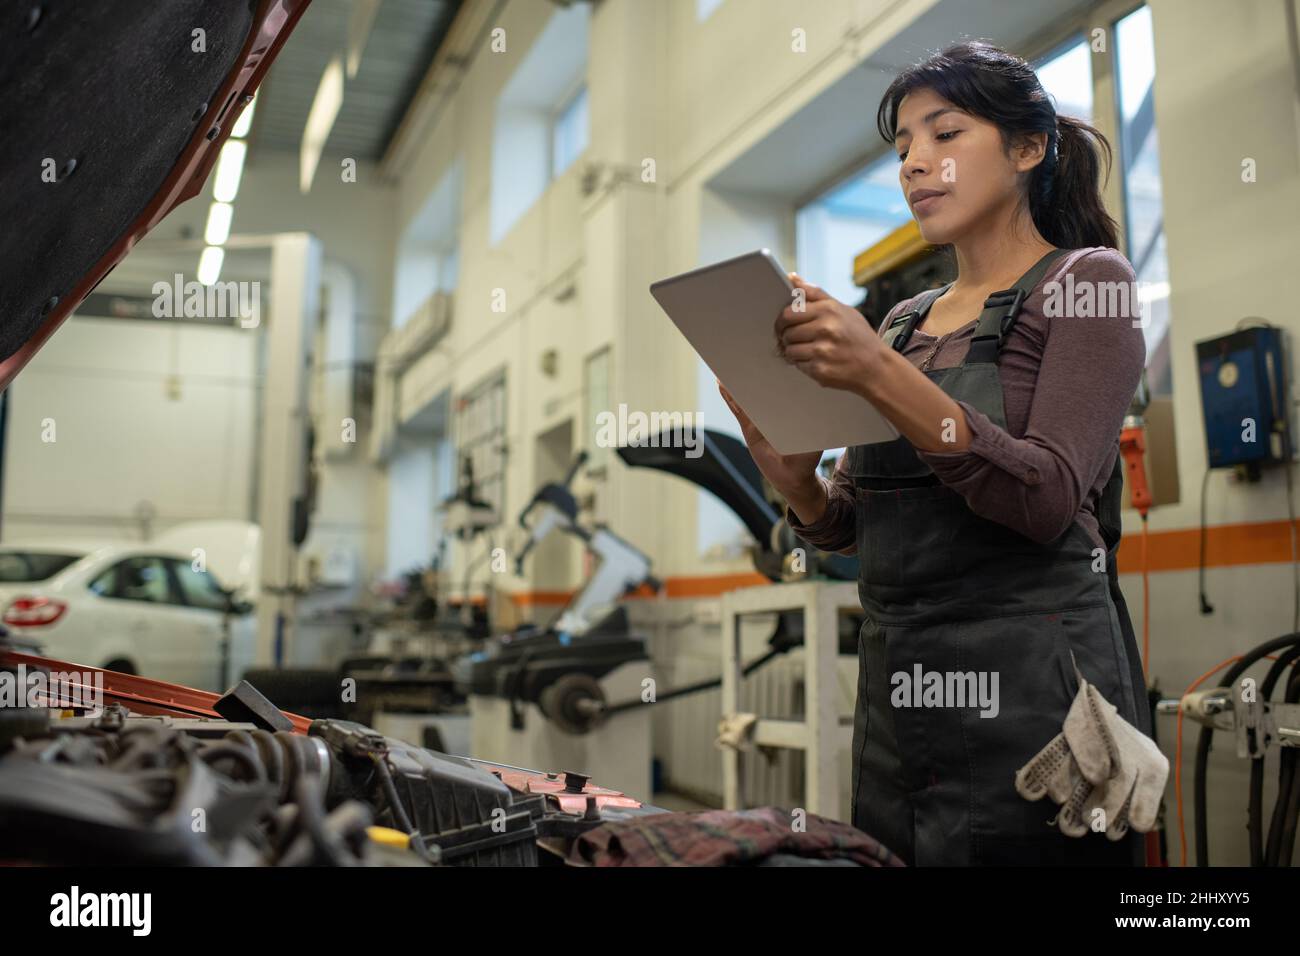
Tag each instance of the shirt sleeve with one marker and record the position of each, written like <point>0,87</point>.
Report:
<point>1089,371</point>
<point>837,528</point>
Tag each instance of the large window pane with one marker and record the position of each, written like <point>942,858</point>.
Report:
<point>481,435</point>
<point>1144,207</point>
<point>569,137</point>
<point>1066,74</point>
<point>704,8</point>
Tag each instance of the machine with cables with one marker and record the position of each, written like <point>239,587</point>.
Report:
<point>1261,726</point>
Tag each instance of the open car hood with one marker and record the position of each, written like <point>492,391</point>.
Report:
<point>113,115</point>
<point>723,467</point>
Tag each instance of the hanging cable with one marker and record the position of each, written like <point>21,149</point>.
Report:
<point>1255,809</point>
<point>1178,758</point>
<point>1206,606</point>
<point>1291,525</point>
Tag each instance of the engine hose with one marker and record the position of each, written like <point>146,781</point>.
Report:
<point>283,828</point>
<point>270,753</point>
<point>1204,741</point>
<point>347,824</point>
<point>293,770</point>
<point>390,793</point>
<point>137,747</point>
<point>1255,805</point>
<point>310,798</point>
<point>237,752</point>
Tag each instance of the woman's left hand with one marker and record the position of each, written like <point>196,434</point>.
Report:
<point>830,342</point>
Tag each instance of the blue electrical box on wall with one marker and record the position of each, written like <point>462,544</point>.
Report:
<point>1244,398</point>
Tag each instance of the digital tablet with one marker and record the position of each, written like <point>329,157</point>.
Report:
<point>727,312</point>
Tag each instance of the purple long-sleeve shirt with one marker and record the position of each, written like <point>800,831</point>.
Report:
<point>1067,381</point>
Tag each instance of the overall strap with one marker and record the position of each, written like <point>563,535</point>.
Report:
<point>901,329</point>
<point>1001,310</point>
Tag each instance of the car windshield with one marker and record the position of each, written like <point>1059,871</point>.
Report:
<point>18,567</point>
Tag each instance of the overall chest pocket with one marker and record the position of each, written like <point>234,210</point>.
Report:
<point>905,536</point>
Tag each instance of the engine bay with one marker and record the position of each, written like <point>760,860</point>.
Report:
<point>119,787</point>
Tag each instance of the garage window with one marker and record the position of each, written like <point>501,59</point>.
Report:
<point>1144,211</point>
<point>541,122</point>
<point>481,435</point>
<point>21,567</point>
<point>137,579</point>
<point>198,588</point>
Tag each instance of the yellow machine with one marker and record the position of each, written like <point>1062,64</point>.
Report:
<point>897,268</point>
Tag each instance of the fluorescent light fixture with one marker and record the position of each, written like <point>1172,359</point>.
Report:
<point>230,167</point>
<point>218,229</point>
<point>210,264</point>
<point>245,121</point>
<point>359,26</point>
<point>320,120</point>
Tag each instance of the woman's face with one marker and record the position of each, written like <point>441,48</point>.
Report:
<point>955,173</point>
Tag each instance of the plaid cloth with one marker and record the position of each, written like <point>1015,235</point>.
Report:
<point>724,838</point>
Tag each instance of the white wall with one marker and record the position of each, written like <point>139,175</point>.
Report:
<point>157,415</point>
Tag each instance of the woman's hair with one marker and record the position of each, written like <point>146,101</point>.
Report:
<point>1063,195</point>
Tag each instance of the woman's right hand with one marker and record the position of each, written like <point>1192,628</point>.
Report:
<point>795,476</point>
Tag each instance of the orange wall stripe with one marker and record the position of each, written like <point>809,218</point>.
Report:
<point>1228,545</point>
<point>538,598</point>
<point>682,586</point>
<point>1231,545</point>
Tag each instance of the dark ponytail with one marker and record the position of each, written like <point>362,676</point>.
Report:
<point>1063,192</point>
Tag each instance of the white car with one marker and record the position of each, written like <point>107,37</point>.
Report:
<point>137,608</point>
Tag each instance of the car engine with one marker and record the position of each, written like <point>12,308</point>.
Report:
<point>119,787</point>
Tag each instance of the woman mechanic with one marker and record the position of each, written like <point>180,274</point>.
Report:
<point>985,533</point>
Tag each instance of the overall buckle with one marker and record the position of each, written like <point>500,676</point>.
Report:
<point>1013,299</point>
<point>992,329</point>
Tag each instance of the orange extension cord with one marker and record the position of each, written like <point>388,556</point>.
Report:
<point>1146,600</point>
<point>1152,842</point>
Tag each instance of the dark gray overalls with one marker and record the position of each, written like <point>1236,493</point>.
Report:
<point>954,592</point>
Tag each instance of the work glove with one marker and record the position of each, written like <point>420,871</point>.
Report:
<point>1055,773</point>
<point>1099,760</point>
<point>1124,765</point>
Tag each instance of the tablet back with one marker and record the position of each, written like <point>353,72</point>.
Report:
<point>727,312</point>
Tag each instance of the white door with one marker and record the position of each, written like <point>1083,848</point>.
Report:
<point>140,601</point>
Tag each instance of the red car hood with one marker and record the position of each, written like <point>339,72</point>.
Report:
<point>141,695</point>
